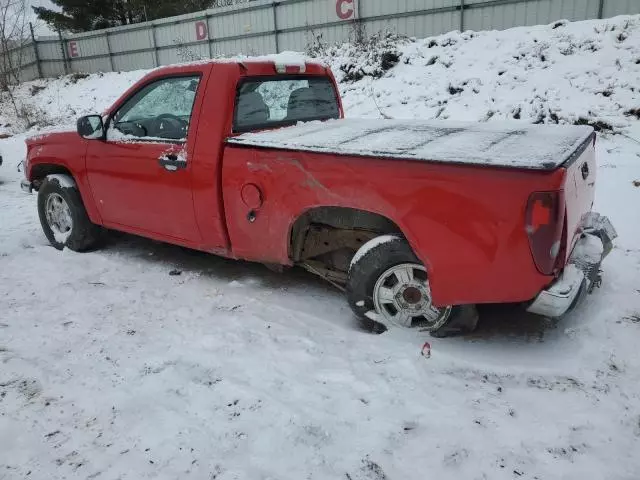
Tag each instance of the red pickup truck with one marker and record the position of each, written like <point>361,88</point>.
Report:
<point>253,160</point>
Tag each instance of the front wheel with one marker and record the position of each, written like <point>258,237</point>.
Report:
<point>387,278</point>
<point>63,217</point>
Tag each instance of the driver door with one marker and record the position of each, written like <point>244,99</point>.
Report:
<point>140,175</point>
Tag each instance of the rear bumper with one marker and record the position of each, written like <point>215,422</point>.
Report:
<point>26,185</point>
<point>582,272</point>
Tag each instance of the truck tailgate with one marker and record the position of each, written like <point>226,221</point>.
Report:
<point>579,187</point>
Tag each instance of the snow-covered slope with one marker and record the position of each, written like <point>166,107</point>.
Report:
<point>566,72</point>
<point>114,365</point>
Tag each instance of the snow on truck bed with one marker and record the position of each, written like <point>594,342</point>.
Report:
<point>500,144</point>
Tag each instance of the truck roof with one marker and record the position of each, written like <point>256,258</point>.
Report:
<point>286,60</point>
<point>498,144</point>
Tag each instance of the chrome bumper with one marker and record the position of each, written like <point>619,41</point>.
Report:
<point>582,272</point>
<point>26,185</point>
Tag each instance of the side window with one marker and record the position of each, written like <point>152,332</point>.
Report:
<point>160,110</point>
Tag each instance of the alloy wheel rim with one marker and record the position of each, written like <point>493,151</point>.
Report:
<point>402,297</point>
<point>58,215</point>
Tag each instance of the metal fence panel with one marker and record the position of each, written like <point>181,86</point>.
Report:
<point>291,41</point>
<point>254,21</point>
<point>87,47</point>
<point>20,63</point>
<point>21,56</point>
<point>187,53</point>
<point>533,12</point>
<point>172,34</point>
<point>575,10</point>
<point>129,40</point>
<point>419,25</point>
<point>300,14</point>
<point>266,26</point>
<point>337,33</point>
<point>183,54</point>
<point>90,65</point>
<point>52,69</point>
<point>499,17</point>
<point>28,73</point>
<point>374,8</point>
<point>49,50</point>
<point>261,45</point>
<point>168,56</point>
<point>620,7</point>
<point>133,61</point>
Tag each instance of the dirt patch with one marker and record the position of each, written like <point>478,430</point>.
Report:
<point>75,77</point>
<point>597,125</point>
<point>36,89</point>
<point>633,112</point>
<point>635,318</point>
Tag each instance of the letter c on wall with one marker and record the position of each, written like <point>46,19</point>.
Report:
<point>344,9</point>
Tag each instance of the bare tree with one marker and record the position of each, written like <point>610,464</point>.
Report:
<point>14,43</point>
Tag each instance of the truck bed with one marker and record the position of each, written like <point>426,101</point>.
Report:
<point>496,144</point>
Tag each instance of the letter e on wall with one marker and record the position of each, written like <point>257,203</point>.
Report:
<point>202,32</point>
<point>345,9</point>
<point>73,49</point>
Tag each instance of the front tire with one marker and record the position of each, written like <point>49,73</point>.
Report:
<point>387,278</point>
<point>63,217</point>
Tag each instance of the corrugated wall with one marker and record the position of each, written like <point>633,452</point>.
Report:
<point>620,7</point>
<point>265,26</point>
<point>415,18</point>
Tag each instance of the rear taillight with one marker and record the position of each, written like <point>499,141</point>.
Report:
<point>544,224</point>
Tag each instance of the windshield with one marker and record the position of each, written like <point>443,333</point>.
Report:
<point>267,102</point>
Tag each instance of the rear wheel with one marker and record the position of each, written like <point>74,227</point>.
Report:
<point>63,217</point>
<point>387,278</point>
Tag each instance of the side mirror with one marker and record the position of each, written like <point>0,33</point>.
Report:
<point>91,127</point>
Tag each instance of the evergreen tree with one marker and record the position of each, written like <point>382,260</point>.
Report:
<point>85,15</point>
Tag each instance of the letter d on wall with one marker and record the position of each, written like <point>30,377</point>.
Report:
<point>201,31</point>
<point>345,9</point>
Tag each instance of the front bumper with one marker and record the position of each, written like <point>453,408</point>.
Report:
<point>26,185</point>
<point>582,272</point>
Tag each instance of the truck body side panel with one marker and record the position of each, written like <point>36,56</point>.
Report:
<point>467,224</point>
<point>65,149</point>
<point>213,127</point>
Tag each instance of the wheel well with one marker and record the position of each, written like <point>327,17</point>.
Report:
<point>40,171</point>
<point>324,239</point>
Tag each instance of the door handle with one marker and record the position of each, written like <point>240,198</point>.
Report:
<point>171,162</point>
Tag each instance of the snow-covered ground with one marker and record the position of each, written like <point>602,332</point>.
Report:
<point>114,366</point>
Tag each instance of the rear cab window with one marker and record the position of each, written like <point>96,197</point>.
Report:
<point>278,101</point>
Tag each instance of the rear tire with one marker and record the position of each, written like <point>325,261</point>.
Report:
<point>387,279</point>
<point>63,217</point>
